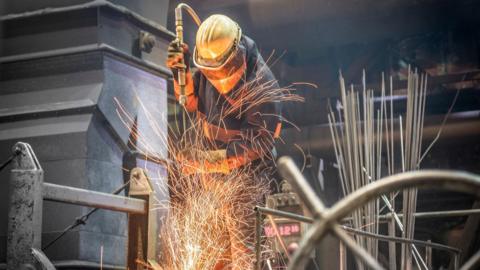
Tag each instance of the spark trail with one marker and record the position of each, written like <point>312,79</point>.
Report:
<point>210,220</point>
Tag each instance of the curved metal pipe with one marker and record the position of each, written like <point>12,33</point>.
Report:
<point>437,179</point>
<point>190,11</point>
<point>182,99</point>
<point>456,181</point>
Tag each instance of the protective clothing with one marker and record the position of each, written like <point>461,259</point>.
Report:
<point>217,38</point>
<point>244,128</point>
<point>174,55</point>
<point>217,52</point>
<point>198,161</point>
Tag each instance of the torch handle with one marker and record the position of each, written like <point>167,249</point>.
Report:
<point>181,71</point>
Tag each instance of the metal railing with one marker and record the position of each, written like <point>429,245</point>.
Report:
<point>326,220</point>
<point>28,191</point>
<point>262,211</point>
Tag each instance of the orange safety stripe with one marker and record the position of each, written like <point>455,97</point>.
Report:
<point>278,129</point>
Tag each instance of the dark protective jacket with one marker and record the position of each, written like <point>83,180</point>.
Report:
<point>246,120</point>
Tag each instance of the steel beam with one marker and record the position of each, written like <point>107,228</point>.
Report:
<point>78,196</point>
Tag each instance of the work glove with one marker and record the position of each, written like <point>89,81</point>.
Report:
<point>211,156</point>
<point>199,161</point>
<point>214,156</point>
<point>194,167</point>
<point>175,54</point>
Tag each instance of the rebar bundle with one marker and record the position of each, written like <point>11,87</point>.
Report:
<point>364,144</point>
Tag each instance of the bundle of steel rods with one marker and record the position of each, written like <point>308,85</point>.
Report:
<point>412,141</point>
<point>363,129</point>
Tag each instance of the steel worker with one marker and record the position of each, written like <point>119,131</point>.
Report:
<point>226,93</point>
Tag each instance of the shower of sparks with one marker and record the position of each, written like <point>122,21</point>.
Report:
<point>210,220</point>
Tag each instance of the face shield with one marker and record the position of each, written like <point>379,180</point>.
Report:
<point>224,75</point>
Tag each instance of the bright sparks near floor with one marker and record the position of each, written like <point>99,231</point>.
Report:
<point>210,221</point>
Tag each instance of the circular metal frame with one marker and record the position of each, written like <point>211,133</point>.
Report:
<point>326,219</point>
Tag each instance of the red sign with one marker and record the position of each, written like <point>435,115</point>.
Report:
<point>284,229</point>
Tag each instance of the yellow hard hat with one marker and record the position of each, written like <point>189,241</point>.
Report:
<point>217,38</point>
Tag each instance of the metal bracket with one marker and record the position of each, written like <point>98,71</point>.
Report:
<point>142,228</point>
<point>139,183</point>
<point>146,42</point>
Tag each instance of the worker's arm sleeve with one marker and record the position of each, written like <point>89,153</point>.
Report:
<point>259,129</point>
<point>190,91</point>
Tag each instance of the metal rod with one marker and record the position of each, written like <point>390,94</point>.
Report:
<point>437,214</point>
<point>360,253</point>
<point>404,240</point>
<point>428,255</point>
<point>342,257</point>
<point>472,263</point>
<point>278,236</point>
<point>432,214</point>
<point>58,193</point>
<point>305,219</point>
<point>279,213</point>
<point>258,244</point>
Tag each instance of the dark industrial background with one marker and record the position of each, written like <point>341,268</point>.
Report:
<point>61,67</point>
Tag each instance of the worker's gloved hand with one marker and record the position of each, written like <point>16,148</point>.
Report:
<point>190,154</point>
<point>201,161</point>
<point>193,167</point>
<point>214,156</point>
<point>199,155</point>
<point>175,54</point>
